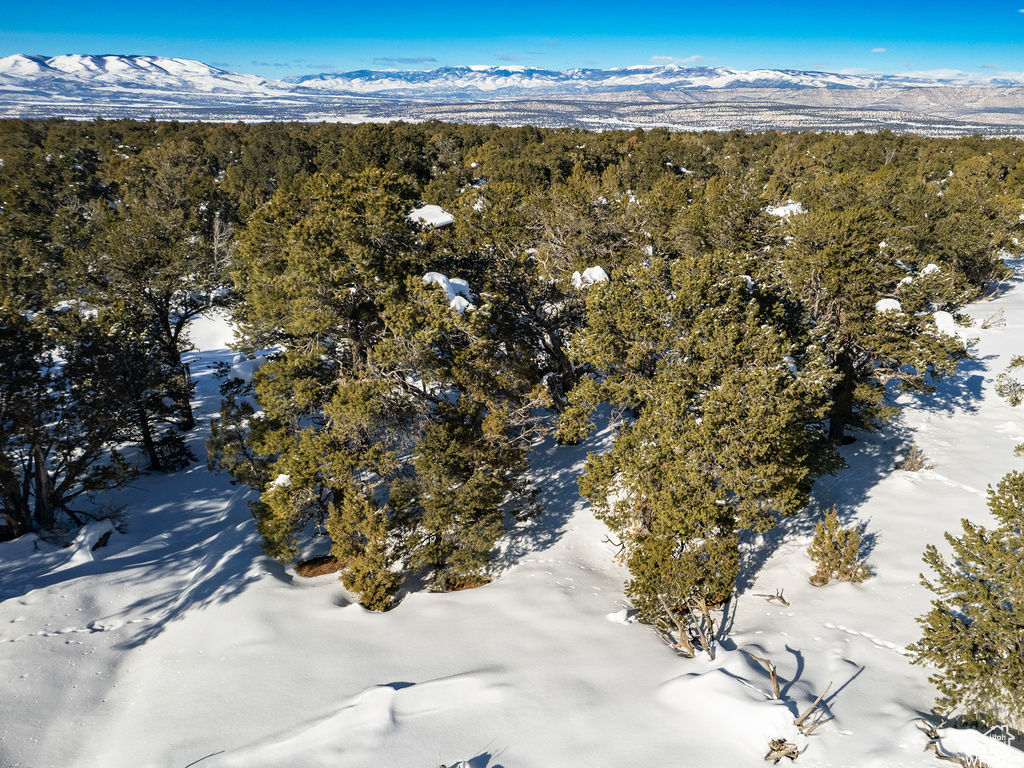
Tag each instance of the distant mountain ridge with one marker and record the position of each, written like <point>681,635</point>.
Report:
<point>526,81</point>
<point>85,73</point>
<point>684,98</point>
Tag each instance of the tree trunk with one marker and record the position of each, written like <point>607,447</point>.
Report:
<point>44,512</point>
<point>842,399</point>
<point>147,441</point>
<point>168,341</point>
<point>15,513</point>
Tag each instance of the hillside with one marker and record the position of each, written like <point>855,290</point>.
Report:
<point>179,644</point>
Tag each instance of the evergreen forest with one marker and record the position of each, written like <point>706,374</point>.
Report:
<point>736,305</point>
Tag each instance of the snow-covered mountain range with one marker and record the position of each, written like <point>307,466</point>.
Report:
<point>686,98</point>
<point>84,74</point>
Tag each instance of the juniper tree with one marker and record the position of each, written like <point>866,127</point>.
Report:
<point>727,399</point>
<point>839,268</point>
<point>130,365</point>
<point>153,254</point>
<point>60,424</point>
<point>835,551</point>
<point>973,637</point>
<point>394,421</point>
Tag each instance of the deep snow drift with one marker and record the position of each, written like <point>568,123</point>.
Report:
<point>178,644</point>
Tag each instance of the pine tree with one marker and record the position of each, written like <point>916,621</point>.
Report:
<point>973,637</point>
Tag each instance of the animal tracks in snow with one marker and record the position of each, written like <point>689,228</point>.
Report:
<point>931,474</point>
<point>104,625</point>
<point>883,644</point>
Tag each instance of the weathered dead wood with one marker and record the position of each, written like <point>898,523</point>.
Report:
<point>777,596</point>
<point>684,645</point>
<point>772,673</point>
<point>996,320</point>
<point>780,748</point>
<point>932,732</point>
<point>801,722</point>
<point>705,637</point>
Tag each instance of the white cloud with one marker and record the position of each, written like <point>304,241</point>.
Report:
<point>675,60</point>
<point>878,50</point>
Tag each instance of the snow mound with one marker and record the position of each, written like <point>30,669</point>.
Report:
<point>728,697</point>
<point>431,217</point>
<point>945,323</point>
<point>456,288</point>
<point>787,210</point>
<point>590,276</point>
<point>88,539</point>
<point>965,744</point>
<point>459,304</point>
<point>244,369</point>
<point>362,723</point>
<point>888,305</point>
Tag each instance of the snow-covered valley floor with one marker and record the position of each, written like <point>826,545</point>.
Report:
<point>179,644</point>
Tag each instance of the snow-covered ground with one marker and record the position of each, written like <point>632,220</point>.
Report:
<point>180,645</point>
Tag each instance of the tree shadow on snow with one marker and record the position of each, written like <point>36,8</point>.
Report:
<point>961,392</point>
<point>483,760</point>
<point>223,571</point>
<point>556,469</point>
<point>197,549</point>
<point>870,459</point>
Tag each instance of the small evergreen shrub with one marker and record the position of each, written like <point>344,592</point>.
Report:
<point>1007,387</point>
<point>835,551</point>
<point>973,636</point>
<point>914,461</point>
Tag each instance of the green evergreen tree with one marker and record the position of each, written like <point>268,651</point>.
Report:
<point>130,365</point>
<point>838,267</point>
<point>389,419</point>
<point>727,400</point>
<point>835,551</point>
<point>153,255</point>
<point>60,425</point>
<point>973,637</point>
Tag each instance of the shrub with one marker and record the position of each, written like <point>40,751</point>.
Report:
<point>1007,387</point>
<point>973,637</point>
<point>835,551</point>
<point>914,461</point>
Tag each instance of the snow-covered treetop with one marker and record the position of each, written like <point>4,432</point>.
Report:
<point>431,217</point>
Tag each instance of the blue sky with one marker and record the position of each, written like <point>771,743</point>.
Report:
<point>276,39</point>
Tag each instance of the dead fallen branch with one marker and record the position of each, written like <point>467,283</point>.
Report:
<point>932,732</point>
<point>772,672</point>
<point>806,725</point>
<point>780,748</point>
<point>777,597</point>
<point>996,320</point>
